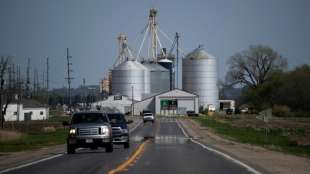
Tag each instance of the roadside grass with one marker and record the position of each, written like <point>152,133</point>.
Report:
<point>275,139</point>
<point>59,119</point>
<point>34,140</point>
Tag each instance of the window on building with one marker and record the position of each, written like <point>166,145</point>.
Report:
<point>15,113</point>
<point>41,112</point>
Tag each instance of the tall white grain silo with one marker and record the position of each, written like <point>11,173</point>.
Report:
<point>200,77</point>
<point>128,79</point>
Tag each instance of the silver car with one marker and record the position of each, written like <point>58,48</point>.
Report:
<point>148,117</point>
<point>89,130</point>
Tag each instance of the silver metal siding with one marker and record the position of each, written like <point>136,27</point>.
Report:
<point>128,75</point>
<point>200,77</point>
<point>159,78</point>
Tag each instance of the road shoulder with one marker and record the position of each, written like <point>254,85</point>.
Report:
<point>266,161</point>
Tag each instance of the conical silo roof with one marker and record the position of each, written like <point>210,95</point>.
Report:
<point>199,53</point>
<point>128,65</point>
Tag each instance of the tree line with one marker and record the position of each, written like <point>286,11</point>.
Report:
<point>266,82</point>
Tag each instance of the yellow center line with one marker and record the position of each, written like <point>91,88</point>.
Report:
<point>129,161</point>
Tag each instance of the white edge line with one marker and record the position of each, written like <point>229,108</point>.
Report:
<point>31,163</point>
<point>219,153</point>
<point>136,126</point>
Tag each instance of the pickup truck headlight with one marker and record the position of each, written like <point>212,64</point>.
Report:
<point>125,131</point>
<point>72,131</point>
<point>104,130</point>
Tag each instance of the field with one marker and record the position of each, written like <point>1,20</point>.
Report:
<point>33,140</point>
<point>18,136</point>
<point>286,135</point>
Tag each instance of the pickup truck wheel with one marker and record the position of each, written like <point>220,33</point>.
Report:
<point>70,149</point>
<point>126,145</point>
<point>109,147</point>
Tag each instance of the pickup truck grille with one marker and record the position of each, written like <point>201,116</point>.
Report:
<point>89,131</point>
<point>116,130</point>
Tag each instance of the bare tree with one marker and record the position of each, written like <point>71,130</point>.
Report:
<point>254,66</point>
<point>3,70</point>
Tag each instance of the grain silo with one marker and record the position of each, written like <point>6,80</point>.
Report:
<point>200,77</point>
<point>128,79</point>
<point>147,83</point>
<point>168,64</point>
<point>159,77</point>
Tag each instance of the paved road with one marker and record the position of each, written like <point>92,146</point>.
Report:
<point>167,151</point>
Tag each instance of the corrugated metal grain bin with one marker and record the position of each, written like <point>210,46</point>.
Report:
<point>200,77</point>
<point>127,76</point>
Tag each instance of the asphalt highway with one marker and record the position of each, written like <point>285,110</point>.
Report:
<point>166,150</point>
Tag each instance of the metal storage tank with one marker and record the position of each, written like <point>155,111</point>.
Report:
<point>147,83</point>
<point>200,77</point>
<point>168,64</point>
<point>159,77</point>
<point>126,77</point>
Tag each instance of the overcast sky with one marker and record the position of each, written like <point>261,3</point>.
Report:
<point>89,28</point>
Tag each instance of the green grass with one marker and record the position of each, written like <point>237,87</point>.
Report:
<point>34,140</point>
<point>59,119</point>
<point>275,139</point>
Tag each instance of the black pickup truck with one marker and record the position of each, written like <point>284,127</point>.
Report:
<point>120,130</point>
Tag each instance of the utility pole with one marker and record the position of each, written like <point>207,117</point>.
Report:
<point>84,95</point>
<point>43,81</point>
<point>69,78</point>
<point>35,82</point>
<point>177,36</point>
<point>19,95</point>
<point>14,76</point>
<point>132,103</point>
<point>28,80</point>
<point>47,81</point>
<point>10,77</point>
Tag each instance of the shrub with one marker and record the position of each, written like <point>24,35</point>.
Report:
<point>281,111</point>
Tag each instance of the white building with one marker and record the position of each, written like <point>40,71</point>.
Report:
<point>227,104</point>
<point>26,110</point>
<point>174,102</point>
<point>115,103</point>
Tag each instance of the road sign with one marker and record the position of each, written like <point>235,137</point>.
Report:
<point>168,104</point>
<point>265,115</point>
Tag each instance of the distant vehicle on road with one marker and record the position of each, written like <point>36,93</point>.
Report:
<point>120,130</point>
<point>89,130</point>
<point>191,114</point>
<point>211,108</point>
<point>244,110</point>
<point>229,111</point>
<point>148,117</point>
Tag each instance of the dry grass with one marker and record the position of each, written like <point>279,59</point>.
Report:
<point>9,135</point>
<point>49,129</point>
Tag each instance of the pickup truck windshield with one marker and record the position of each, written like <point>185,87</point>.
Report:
<point>116,118</point>
<point>89,118</point>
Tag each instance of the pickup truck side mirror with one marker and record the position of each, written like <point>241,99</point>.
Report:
<point>129,121</point>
